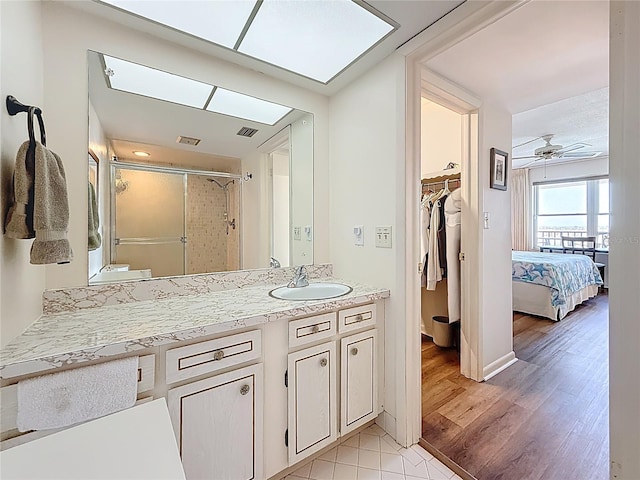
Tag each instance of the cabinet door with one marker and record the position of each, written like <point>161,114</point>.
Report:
<point>312,400</point>
<point>358,380</point>
<point>218,425</point>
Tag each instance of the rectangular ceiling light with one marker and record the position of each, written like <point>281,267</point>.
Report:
<point>133,78</point>
<point>246,107</point>
<point>317,39</point>
<point>220,21</point>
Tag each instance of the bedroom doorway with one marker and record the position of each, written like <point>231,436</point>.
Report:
<point>545,416</point>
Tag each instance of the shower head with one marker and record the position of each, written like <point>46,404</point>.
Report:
<point>225,186</point>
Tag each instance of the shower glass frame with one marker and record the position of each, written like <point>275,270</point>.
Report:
<point>185,172</point>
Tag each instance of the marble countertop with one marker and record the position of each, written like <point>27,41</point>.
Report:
<point>90,334</point>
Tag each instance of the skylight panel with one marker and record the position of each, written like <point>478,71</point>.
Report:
<point>317,39</point>
<point>133,78</point>
<point>219,21</point>
<point>238,105</point>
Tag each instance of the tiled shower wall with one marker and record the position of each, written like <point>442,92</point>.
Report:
<point>209,248</point>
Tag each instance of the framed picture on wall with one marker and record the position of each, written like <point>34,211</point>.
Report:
<point>499,169</point>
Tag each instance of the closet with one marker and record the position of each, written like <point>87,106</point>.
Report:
<point>440,221</point>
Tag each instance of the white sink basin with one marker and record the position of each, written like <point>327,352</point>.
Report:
<point>314,291</point>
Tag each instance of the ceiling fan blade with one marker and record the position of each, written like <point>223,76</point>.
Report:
<point>580,154</point>
<point>572,147</point>
<point>526,143</point>
<point>536,157</point>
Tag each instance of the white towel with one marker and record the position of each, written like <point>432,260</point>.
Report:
<point>73,396</point>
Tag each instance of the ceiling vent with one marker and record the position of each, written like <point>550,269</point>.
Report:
<point>188,140</point>
<point>247,132</point>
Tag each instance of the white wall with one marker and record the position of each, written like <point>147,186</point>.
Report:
<point>20,51</point>
<point>367,165</point>
<point>281,233</point>
<point>561,171</point>
<point>624,258</point>
<point>256,231</point>
<point>68,33</point>
<point>441,136</point>
<point>496,302</point>
<point>302,189</point>
<point>98,145</point>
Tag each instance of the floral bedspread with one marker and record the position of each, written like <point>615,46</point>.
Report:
<point>565,274</point>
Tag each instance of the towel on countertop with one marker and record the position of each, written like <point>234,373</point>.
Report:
<point>19,221</point>
<point>73,396</point>
<point>94,220</point>
<point>51,210</point>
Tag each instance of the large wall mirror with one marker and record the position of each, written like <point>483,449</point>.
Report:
<point>187,177</point>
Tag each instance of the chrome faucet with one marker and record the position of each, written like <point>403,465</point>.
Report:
<point>274,263</point>
<point>299,279</point>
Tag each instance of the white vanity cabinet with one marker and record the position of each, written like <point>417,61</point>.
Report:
<point>358,380</point>
<point>218,421</point>
<point>312,400</point>
<point>332,387</point>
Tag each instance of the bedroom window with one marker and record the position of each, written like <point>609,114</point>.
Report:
<point>571,208</point>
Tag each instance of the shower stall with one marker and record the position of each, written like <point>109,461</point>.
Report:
<point>175,221</point>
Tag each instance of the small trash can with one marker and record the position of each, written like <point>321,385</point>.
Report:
<point>442,332</point>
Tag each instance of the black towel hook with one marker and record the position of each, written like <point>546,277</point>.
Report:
<point>15,107</point>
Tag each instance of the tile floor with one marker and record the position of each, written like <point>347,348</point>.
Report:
<point>374,455</point>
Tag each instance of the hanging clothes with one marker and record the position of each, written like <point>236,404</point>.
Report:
<point>436,244</point>
<point>425,227</point>
<point>453,216</point>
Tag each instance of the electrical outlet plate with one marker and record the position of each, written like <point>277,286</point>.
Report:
<point>296,233</point>
<point>383,237</point>
<point>308,233</point>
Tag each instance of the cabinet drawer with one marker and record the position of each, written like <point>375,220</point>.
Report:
<point>356,318</point>
<point>205,357</point>
<point>307,330</point>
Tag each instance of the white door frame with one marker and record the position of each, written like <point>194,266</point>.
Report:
<point>461,23</point>
<point>452,96</point>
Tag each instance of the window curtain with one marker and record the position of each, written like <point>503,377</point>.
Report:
<point>520,209</point>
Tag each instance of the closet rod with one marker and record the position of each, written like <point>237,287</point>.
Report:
<point>452,182</point>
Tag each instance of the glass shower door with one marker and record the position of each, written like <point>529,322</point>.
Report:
<point>149,221</point>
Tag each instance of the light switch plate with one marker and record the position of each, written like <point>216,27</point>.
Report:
<point>308,234</point>
<point>358,235</point>
<point>383,237</point>
<point>486,220</point>
<point>296,233</point>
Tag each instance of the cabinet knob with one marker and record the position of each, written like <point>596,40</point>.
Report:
<point>218,355</point>
<point>323,362</point>
<point>244,389</point>
<point>315,329</point>
<point>359,317</point>
<point>354,351</point>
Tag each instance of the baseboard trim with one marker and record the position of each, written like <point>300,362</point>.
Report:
<point>499,365</point>
<point>453,466</point>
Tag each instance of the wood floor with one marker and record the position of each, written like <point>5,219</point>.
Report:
<point>544,418</point>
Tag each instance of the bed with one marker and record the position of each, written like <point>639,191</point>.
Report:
<point>552,284</point>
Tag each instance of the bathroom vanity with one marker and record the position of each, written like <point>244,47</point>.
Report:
<point>253,384</point>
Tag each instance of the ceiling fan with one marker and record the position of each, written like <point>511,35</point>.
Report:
<point>550,151</point>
